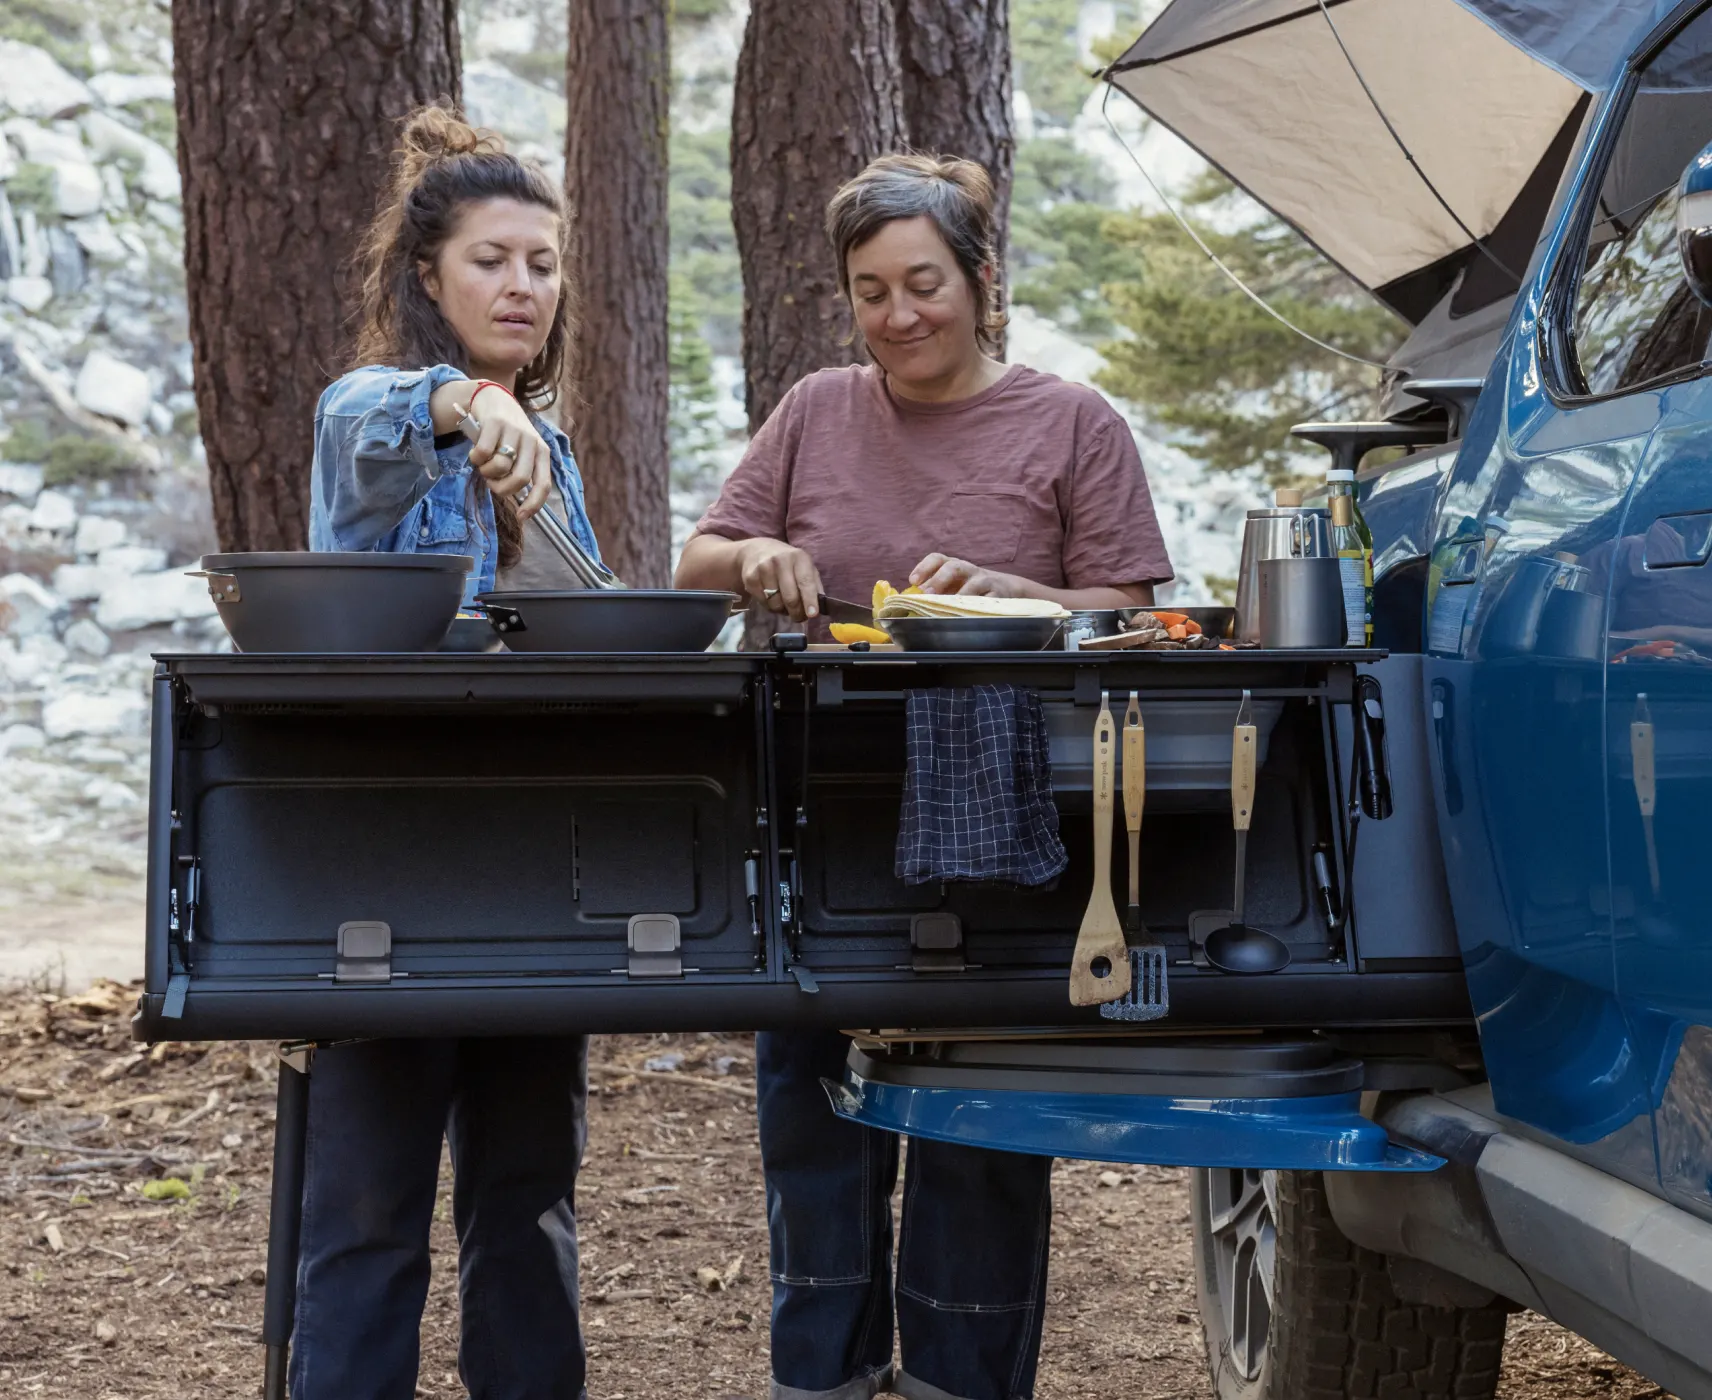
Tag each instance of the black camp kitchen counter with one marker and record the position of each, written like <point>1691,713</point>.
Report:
<point>506,844</point>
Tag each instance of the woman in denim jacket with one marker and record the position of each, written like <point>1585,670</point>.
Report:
<point>462,313</point>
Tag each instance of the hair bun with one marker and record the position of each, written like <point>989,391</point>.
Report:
<point>437,133</point>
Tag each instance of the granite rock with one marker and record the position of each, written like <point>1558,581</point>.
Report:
<point>91,712</point>
<point>114,389</point>
<point>150,600</point>
<point>33,83</point>
<point>85,638</point>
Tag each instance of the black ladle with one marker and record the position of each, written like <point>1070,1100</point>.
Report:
<point>1240,947</point>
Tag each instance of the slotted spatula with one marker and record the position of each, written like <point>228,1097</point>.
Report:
<point>1099,968</point>
<point>1149,996</point>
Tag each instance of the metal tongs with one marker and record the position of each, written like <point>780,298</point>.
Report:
<point>590,572</point>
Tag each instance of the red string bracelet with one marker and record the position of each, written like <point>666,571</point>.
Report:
<point>488,384</point>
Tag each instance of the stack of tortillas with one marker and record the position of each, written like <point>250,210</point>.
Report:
<point>963,605</point>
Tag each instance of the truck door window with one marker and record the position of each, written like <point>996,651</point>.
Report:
<point>1636,320</point>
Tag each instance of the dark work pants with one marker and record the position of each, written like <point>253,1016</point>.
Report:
<point>971,1273</point>
<point>515,1113</point>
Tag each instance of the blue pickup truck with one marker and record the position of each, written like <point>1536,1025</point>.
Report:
<point>1544,588</point>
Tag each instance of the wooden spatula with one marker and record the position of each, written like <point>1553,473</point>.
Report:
<point>1099,968</point>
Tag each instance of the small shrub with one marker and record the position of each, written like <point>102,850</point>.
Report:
<point>27,442</point>
<point>72,458</point>
<point>1222,588</point>
<point>49,27</point>
<point>160,122</point>
<point>544,67</point>
<point>34,187</point>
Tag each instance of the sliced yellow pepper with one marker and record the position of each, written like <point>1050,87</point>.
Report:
<point>884,590</point>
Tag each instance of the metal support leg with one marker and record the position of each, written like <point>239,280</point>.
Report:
<point>285,1215</point>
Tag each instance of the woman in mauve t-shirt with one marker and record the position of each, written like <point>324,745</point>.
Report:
<point>938,466</point>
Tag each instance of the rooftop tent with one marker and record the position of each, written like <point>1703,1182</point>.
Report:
<point>1488,96</point>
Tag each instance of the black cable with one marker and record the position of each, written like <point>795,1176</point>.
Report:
<point>1409,155</point>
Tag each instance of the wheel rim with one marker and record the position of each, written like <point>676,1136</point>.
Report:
<point>1241,1209</point>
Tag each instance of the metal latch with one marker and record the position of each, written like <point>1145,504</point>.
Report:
<point>654,941</point>
<point>936,943</point>
<point>365,952</point>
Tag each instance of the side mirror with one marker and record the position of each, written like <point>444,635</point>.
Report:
<point>1694,224</point>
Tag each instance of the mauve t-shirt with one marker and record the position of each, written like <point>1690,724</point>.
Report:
<point>1033,477</point>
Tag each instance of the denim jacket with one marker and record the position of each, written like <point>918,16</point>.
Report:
<point>378,481</point>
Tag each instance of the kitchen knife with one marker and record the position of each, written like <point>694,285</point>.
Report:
<point>837,610</point>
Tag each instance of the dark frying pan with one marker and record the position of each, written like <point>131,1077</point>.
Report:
<point>294,601</point>
<point>609,619</point>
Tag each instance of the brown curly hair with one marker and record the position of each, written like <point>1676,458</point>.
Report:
<point>441,166</point>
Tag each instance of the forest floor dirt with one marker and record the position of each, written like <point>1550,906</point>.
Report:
<point>107,1295</point>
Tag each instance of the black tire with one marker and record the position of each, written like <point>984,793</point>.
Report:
<point>1292,1310</point>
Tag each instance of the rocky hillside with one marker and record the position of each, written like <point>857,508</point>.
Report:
<point>102,492</point>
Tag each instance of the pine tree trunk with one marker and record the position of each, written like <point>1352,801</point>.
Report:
<point>286,118</point>
<point>818,96</point>
<point>955,56</point>
<point>618,77</point>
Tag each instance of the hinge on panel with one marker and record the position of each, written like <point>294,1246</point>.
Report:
<point>655,942</point>
<point>364,952</point>
<point>181,937</point>
<point>936,943</point>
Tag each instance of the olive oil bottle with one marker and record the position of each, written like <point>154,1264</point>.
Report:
<point>1353,543</point>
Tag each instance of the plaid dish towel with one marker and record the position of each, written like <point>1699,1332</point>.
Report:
<point>978,790</point>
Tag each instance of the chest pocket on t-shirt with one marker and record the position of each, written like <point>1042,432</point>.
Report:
<point>984,524</point>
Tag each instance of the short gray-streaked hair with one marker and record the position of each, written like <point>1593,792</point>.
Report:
<point>956,194</point>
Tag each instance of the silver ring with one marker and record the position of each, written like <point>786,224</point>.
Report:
<point>769,593</point>
<point>505,450</point>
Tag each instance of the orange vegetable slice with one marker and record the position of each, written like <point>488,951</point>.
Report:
<point>848,632</point>
<point>1168,620</point>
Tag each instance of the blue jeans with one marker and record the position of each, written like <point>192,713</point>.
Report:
<point>514,1110</point>
<point>971,1273</point>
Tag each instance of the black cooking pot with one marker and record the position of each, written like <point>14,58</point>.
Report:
<point>609,619</point>
<point>279,601</point>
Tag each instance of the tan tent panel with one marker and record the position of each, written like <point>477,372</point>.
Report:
<point>1278,109</point>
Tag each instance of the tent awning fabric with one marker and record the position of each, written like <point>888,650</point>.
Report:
<point>1488,96</point>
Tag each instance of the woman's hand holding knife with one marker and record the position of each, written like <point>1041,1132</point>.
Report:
<point>781,577</point>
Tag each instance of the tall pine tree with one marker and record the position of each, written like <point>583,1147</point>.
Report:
<point>818,96</point>
<point>286,119</point>
<point>618,84</point>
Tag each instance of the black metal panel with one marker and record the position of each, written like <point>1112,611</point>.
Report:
<point>555,1006</point>
<point>1402,914</point>
<point>493,837</point>
<point>505,816</point>
<point>467,682</point>
<point>855,913</point>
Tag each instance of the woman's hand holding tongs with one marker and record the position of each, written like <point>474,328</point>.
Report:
<point>509,452</point>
